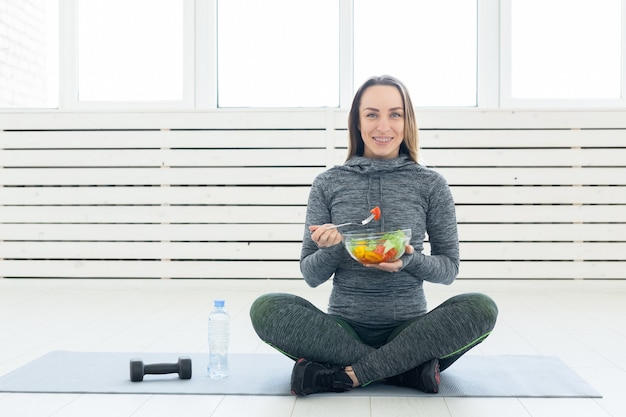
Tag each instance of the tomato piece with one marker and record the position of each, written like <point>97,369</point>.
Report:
<point>391,253</point>
<point>380,250</point>
<point>376,212</point>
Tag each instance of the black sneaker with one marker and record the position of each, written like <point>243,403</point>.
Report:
<point>425,377</point>
<point>310,377</point>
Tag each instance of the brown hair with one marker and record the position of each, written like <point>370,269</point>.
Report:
<point>410,143</point>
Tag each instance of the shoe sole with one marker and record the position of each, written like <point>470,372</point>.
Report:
<point>297,374</point>
<point>433,370</point>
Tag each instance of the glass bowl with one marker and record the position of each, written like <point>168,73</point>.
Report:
<point>376,247</point>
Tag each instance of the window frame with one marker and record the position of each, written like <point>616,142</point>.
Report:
<point>200,58</point>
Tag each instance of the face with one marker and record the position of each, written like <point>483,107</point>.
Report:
<point>381,121</point>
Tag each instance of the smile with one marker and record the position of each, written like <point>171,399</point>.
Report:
<point>382,139</point>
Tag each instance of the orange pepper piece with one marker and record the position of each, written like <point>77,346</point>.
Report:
<point>359,251</point>
<point>372,257</point>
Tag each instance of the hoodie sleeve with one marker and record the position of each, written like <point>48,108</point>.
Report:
<point>442,265</point>
<point>318,264</point>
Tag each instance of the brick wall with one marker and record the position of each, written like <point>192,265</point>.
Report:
<point>22,53</point>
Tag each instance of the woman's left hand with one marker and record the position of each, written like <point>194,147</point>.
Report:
<point>394,266</point>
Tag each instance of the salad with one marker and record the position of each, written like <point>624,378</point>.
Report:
<point>374,248</point>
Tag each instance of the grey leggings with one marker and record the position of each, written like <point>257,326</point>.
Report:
<point>298,329</point>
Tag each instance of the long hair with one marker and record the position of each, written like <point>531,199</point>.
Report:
<point>410,142</point>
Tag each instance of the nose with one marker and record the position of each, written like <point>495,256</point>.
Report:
<point>383,124</point>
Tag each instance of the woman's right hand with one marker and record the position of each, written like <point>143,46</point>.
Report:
<point>324,237</point>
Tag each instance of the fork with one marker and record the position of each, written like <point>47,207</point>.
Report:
<point>361,223</point>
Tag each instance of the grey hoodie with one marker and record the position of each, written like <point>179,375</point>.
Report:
<point>410,196</point>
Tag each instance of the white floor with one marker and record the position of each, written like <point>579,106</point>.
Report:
<point>582,322</point>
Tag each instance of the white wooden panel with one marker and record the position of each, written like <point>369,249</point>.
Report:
<point>528,232</point>
<point>532,251</point>
<point>490,158</point>
<point>524,157</point>
<point>160,176</point>
<point>540,214</point>
<point>152,214</point>
<point>538,195</point>
<point>289,214</point>
<point>542,270</point>
<point>523,138</point>
<point>293,232</point>
<point>152,232</point>
<point>163,157</point>
<point>151,139</point>
<point>150,269</point>
<point>476,175</point>
<point>240,119</point>
<point>250,195</point>
<point>520,251</point>
<point>293,195</point>
<point>535,176</point>
<point>531,202</point>
<point>290,269</point>
<point>151,250</point>
<point>298,176</point>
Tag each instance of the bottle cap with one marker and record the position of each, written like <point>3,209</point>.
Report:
<point>218,303</point>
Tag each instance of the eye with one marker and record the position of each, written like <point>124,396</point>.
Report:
<point>371,115</point>
<point>396,115</point>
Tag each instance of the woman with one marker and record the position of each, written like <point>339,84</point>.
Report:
<point>377,327</point>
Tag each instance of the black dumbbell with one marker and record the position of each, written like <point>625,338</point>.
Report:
<point>182,368</point>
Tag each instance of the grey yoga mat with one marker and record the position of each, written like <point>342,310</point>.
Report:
<point>269,374</point>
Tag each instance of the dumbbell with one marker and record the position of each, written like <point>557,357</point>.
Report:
<point>138,369</point>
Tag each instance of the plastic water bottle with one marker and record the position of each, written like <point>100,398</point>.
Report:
<point>219,334</point>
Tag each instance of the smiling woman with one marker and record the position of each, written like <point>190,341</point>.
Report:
<point>377,326</point>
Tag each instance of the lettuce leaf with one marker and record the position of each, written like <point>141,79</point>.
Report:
<point>394,240</point>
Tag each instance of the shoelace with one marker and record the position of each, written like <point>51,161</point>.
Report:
<point>326,378</point>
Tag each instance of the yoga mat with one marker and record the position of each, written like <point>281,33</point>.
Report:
<point>269,374</point>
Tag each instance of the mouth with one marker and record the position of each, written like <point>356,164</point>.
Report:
<point>382,139</point>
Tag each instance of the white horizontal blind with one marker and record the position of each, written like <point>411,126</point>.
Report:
<point>223,195</point>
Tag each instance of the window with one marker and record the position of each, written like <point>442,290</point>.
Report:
<point>205,54</point>
<point>565,49</point>
<point>278,53</point>
<point>429,45</point>
<point>130,50</point>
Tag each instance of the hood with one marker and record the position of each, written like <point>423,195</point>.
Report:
<point>375,170</point>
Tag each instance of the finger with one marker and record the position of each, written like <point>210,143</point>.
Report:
<point>317,231</point>
<point>334,237</point>
<point>327,237</point>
